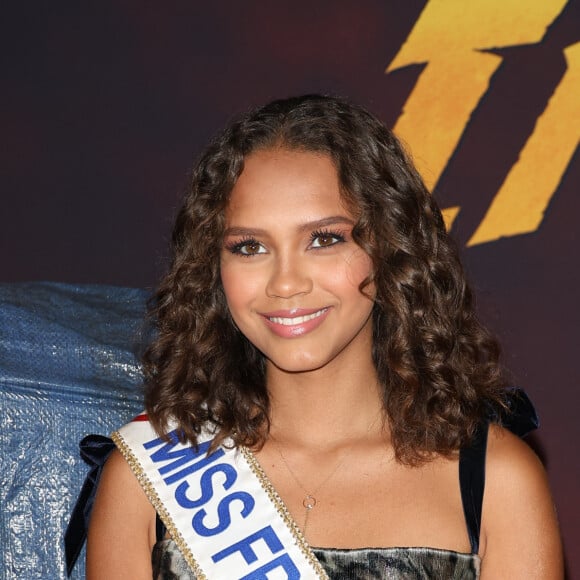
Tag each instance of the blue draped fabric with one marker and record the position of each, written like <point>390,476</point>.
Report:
<point>68,367</point>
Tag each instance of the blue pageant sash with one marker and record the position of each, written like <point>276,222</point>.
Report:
<point>220,509</point>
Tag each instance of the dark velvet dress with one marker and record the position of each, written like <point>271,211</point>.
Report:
<point>365,564</point>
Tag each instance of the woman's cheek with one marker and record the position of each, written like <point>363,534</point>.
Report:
<point>241,286</point>
<point>354,269</point>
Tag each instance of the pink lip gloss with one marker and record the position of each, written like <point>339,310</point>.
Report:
<point>295,322</point>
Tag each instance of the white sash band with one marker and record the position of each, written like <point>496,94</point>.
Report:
<point>220,509</point>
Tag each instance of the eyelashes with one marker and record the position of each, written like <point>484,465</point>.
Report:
<point>246,247</point>
<point>326,238</point>
<point>318,240</point>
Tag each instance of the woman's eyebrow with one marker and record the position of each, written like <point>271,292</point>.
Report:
<point>239,231</point>
<point>324,222</point>
<point>307,226</point>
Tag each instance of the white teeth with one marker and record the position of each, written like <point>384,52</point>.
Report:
<point>297,319</point>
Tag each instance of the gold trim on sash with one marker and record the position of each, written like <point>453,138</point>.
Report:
<point>283,511</point>
<point>157,504</point>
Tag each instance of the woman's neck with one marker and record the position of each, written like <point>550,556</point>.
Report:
<point>325,406</point>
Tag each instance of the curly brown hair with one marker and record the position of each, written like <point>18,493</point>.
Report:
<point>437,364</point>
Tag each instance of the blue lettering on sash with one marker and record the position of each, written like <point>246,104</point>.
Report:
<point>283,561</point>
<point>268,535</point>
<point>180,457</point>
<point>206,486</point>
<point>191,459</point>
<point>224,517</point>
<point>245,546</point>
<point>194,466</point>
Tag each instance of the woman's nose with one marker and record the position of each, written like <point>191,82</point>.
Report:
<point>289,277</point>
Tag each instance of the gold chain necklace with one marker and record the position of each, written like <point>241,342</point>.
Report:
<point>309,501</point>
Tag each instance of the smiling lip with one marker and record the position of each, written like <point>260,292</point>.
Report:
<point>295,322</point>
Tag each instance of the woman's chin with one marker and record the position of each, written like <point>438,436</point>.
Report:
<point>303,364</point>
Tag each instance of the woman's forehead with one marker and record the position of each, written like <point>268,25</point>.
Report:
<point>289,184</point>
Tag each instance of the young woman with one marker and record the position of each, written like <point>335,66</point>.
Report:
<point>316,335</point>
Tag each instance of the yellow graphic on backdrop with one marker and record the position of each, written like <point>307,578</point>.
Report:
<point>519,205</point>
<point>450,37</point>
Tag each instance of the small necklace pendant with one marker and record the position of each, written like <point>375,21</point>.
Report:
<point>309,502</point>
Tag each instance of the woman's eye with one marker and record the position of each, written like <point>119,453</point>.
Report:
<point>248,248</point>
<point>325,239</point>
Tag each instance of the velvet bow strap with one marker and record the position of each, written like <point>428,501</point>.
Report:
<point>95,449</point>
<point>520,417</point>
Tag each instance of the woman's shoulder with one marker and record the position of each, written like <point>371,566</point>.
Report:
<point>513,470</point>
<point>519,524</point>
<point>514,474</point>
<point>509,455</point>
<point>117,475</point>
<point>122,527</point>
<point>120,489</point>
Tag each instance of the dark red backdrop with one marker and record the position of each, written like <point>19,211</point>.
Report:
<point>104,105</point>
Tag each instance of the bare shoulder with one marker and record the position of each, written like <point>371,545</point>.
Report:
<point>122,526</point>
<point>520,536</point>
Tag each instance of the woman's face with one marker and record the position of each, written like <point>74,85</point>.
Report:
<point>289,266</point>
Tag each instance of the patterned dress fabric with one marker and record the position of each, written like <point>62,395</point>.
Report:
<point>363,564</point>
